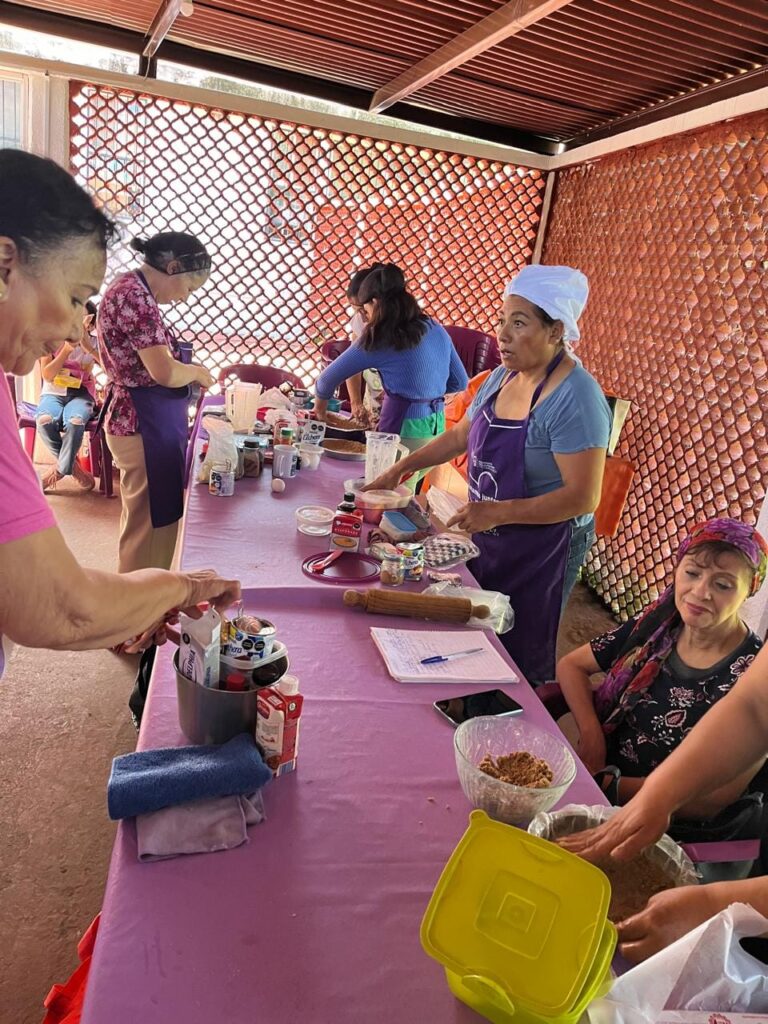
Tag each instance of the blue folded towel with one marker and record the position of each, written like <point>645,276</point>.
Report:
<point>150,779</point>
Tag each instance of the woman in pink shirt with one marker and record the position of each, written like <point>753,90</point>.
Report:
<point>52,258</point>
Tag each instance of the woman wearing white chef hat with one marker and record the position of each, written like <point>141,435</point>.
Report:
<point>536,438</point>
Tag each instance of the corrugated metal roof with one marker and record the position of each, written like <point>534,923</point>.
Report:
<point>584,69</point>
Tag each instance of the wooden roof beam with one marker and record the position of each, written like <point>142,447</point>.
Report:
<point>507,21</point>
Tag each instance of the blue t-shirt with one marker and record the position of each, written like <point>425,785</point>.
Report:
<point>574,417</point>
<point>429,370</point>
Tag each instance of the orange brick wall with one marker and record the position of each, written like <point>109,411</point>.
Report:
<point>672,236</point>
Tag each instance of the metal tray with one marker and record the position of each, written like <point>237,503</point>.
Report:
<point>343,456</point>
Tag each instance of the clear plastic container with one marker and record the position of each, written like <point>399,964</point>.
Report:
<point>314,520</point>
<point>373,504</point>
<point>515,805</point>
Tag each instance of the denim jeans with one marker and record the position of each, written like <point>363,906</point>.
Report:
<point>582,539</point>
<point>63,433</point>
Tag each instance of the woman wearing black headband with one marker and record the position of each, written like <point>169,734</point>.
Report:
<point>148,393</point>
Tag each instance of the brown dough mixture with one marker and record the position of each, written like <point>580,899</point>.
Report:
<point>519,769</point>
<point>349,447</point>
<point>632,885</point>
<point>343,422</point>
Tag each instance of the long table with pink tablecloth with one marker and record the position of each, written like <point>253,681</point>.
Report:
<point>316,919</point>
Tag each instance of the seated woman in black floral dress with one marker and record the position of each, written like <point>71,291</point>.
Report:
<point>666,667</point>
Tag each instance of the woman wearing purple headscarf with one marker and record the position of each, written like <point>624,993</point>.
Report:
<point>669,665</point>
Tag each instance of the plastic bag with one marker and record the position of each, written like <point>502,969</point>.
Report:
<point>706,970</point>
<point>445,550</point>
<point>443,504</point>
<point>577,817</point>
<point>275,399</point>
<point>221,447</point>
<point>502,617</point>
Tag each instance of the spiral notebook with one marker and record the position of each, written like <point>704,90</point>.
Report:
<point>403,649</point>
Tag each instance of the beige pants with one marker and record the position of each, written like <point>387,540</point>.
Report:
<point>141,545</point>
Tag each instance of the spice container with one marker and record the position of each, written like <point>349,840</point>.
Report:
<point>253,457</point>
<point>413,557</point>
<point>286,435</point>
<point>392,569</point>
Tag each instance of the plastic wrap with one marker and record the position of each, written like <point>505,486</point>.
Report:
<point>442,504</point>
<point>666,854</point>
<point>502,617</point>
<point>222,447</point>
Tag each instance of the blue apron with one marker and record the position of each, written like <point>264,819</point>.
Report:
<point>525,561</point>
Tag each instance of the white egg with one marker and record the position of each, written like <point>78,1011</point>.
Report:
<point>278,485</point>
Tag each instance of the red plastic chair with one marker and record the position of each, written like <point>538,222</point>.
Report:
<point>101,457</point>
<point>332,350</point>
<point>476,350</point>
<point>252,373</point>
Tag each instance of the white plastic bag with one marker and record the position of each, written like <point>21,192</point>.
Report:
<point>275,399</point>
<point>502,617</point>
<point>706,970</point>
<point>221,446</point>
<point>442,504</point>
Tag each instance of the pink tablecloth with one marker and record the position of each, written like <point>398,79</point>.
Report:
<point>317,919</point>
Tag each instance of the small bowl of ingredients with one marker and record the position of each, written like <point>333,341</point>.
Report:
<point>510,769</point>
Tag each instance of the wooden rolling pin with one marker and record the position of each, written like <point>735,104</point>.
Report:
<point>416,606</point>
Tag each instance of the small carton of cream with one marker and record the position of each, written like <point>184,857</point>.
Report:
<point>277,724</point>
<point>200,647</point>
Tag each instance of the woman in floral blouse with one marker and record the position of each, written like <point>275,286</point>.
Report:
<point>148,393</point>
<point>668,666</point>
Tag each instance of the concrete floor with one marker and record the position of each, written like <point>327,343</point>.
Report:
<point>63,718</point>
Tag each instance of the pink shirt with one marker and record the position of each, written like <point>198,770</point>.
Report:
<point>23,508</point>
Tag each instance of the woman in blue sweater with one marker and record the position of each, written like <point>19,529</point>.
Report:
<point>413,354</point>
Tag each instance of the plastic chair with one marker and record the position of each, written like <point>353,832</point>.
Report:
<point>252,373</point>
<point>101,457</point>
<point>476,350</point>
<point>332,350</point>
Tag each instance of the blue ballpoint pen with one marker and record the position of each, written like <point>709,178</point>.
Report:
<point>437,658</point>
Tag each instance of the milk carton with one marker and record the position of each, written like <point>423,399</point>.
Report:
<point>200,647</point>
<point>277,724</point>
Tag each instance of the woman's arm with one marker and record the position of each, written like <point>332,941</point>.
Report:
<point>169,372</point>
<point>675,912</point>
<point>353,360</point>
<point>573,675</point>
<point>355,389</point>
<point>582,476</point>
<point>47,599</point>
<point>723,746</point>
<point>50,366</point>
<point>445,447</point>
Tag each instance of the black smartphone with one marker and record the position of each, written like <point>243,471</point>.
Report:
<point>489,702</point>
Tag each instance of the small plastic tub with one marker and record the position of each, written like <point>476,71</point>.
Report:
<point>310,455</point>
<point>314,520</point>
<point>373,504</point>
<point>256,673</point>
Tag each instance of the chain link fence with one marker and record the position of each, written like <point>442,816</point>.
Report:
<point>290,211</point>
<point>673,238</point>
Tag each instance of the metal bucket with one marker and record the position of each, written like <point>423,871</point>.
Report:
<point>209,716</point>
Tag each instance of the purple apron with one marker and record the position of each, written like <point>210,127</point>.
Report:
<point>163,415</point>
<point>526,561</point>
<point>394,409</point>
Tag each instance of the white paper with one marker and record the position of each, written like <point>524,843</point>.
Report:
<point>403,649</point>
<point>706,970</point>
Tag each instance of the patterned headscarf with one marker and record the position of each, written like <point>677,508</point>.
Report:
<point>635,671</point>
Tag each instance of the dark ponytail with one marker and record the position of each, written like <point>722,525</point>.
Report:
<point>398,322</point>
<point>173,247</point>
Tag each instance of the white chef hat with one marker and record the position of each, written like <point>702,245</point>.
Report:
<point>560,291</point>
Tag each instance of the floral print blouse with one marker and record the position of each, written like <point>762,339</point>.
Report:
<point>129,320</point>
<point>672,704</point>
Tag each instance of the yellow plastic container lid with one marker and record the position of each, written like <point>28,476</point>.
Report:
<point>520,922</point>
